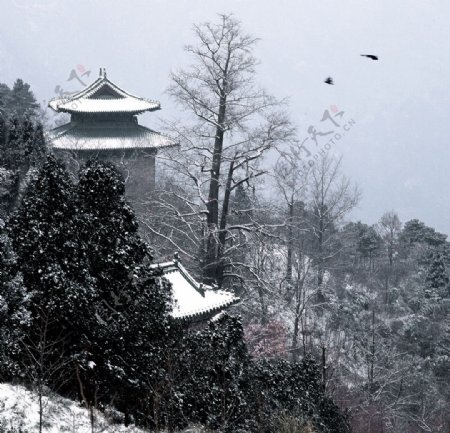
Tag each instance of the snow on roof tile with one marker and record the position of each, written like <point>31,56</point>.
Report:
<point>190,298</point>
<point>103,96</point>
<point>107,135</point>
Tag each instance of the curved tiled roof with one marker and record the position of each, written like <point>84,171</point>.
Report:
<point>107,135</point>
<point>192,300</point>
<point>103,96</point>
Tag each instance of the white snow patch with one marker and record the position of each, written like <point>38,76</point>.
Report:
<point>19,409</point>
<point>189,297</point>
<point>189,301</point>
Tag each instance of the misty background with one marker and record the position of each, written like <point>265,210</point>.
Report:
<point>397,151</point>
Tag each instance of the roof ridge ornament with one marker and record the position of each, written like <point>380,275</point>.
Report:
<point>201,289</point>
<point>102,73</point>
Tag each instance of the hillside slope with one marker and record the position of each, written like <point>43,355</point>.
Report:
<point>19,411</point>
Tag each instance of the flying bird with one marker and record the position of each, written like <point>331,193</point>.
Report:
<point>370,56</point>
<point>329,80</point>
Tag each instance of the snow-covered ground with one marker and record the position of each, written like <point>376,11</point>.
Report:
<point>19,409</point>
<point>19,412</point>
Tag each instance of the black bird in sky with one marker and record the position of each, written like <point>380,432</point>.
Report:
<point>370,56</point>
<point>329,80</point>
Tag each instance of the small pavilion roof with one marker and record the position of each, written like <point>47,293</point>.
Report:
<point>103,96</point>
<point>191,299</point>
<point>107,135</point>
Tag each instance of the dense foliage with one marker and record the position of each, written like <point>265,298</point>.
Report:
<point>86,314</point>
<point>22,143</point>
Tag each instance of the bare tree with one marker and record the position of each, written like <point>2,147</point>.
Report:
<point>389,228</point>
<point>314,201</point>
<point>291,181</point>
<point>235,124</point>
<point>331,197</point>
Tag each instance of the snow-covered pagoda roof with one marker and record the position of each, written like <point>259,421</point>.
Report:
<point>107,135</point>
<point>191,299</point>
<point>103,96</point>
<point>103,117</point>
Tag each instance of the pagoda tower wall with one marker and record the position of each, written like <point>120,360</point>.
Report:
<point>136,165</point>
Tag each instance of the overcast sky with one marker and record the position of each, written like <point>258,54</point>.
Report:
<point>398,149</point>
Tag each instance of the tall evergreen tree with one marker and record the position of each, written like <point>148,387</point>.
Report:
<point>18,101</point>
<point>37,151</point>
<point>22,152</point>
<point>108,227</point>
<point>3,129</point>
<point>4,101</point>
<point>12,152</point>
<point>416,231</point>
<point>14,311</point>
<point>129,323</point>
<point>22,102</point>
<point>436,280</point>
<point>42,229</point>
<point>54,272</point>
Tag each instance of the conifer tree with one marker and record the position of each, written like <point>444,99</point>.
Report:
<point>54,272</point>
<point>14,312</point>
<point>3,130</point>
<point>22,102</point>
<point>18,102</point>
<point>213,368</point>
<point>108,227</point>
<point>42,231</point>
<point>12,152</point>
<point>4,99</point>
<point>37,151</point>
<point>436,280</point>
<point>129,323</point>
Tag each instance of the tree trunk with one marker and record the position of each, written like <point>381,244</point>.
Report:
<point>212,206</point>
<point>223,225</point>
<point>290,241</point>
<point>295,331</point>
<point>372,359</point>
<point>298,309</point>
<point>41,409</point>
<point>320,262</point>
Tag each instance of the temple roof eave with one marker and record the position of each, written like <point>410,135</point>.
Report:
<point>62,105</point>
<point>103,96</point>
<point>112,135</point>
<point>193,301</point>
